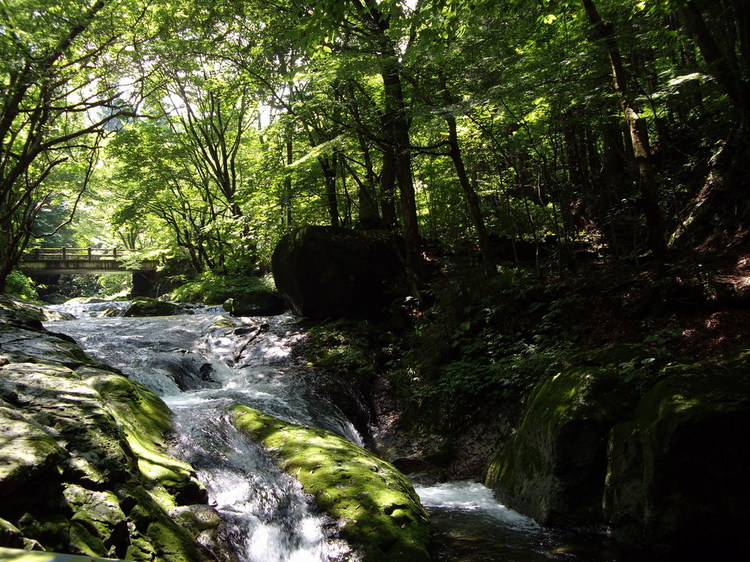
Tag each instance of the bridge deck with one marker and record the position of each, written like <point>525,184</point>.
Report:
<point>54,261</point>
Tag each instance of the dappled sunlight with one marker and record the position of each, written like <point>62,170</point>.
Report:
<point>376,503</point>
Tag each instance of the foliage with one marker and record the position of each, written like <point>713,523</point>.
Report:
<point>208,129</point>
<point>21,286</point>
<point>347,349</point>
<point>216,289</point>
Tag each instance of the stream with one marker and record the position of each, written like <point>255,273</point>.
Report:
<point>204,361</point>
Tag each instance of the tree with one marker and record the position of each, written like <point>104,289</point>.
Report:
<point>58,98</point>
<point>603,31</point>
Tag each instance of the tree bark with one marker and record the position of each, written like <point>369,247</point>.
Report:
<point>396,131</point>
<point>472,199</point>
<point>649,198</point>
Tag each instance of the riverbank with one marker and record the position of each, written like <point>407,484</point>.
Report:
<point>600,401</point>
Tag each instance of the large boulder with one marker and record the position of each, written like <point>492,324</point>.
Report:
<point>553,468</point>
<point>659,457</point>
<point>677,475</point>
<point>327,272</point>
<point>375,505</point>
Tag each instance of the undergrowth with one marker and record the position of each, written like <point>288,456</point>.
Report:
<point>215,289</point>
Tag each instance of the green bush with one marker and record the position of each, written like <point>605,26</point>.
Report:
<point>21,286</point>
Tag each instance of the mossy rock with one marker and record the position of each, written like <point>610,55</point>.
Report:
<point>376,505</point>
<point>146,421</point>
<point>19,555</point>
<point>18,312</point>
<point>553,468</point>
<point>677,474</point>
<point>144,306</point>
<point>27,451</point>
<point>86,469</point>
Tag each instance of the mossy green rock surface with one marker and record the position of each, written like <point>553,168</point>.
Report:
<point>376,504</point>
<point>553,468</point>
<point>17,555</point>
<point>660,458</point>
<point>85,468</point>
<point>678,469</point>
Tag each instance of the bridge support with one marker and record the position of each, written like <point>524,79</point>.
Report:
<point>144,284</point>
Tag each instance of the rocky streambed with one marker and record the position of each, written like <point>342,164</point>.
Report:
<point>90,456</point>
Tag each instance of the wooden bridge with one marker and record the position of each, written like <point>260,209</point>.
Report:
<point>55,261</point>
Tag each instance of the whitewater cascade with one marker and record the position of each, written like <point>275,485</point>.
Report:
<point>201,363</point>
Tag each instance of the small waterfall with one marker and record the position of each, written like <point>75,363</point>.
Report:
<point>202,363</point>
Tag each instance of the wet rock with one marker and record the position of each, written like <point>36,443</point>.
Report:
<point>334,272</point>
<point>553,468</point>
<point>10,536</point>
<point>85,468</point>
<point>255,303</point>
<point>658,458</point>
<point>16,312</point>
<point>144,306</point>
<point>376,505</point>
<point>27,451</point>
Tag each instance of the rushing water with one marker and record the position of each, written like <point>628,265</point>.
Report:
<point>201,363</point>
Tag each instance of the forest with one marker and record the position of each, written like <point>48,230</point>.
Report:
<point>203,131</point>
<point>564,184</point>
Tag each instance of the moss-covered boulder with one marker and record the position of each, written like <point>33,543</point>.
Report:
<point>375,504</point>
<point>259,302</point>
<point>85,465</point>
<point>144,306</point>
<point>554,466</point>
<point>334,272</point>
<point>678,470</point>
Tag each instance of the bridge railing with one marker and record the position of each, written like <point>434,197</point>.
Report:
<point>89,254</point>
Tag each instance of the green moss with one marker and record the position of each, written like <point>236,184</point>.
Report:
<point>376,504</point>
<point>97,520</point>
<point>689,427</point>
<point>553,468</point>
<point>26,450</point>
<point>145,420</point>
<point>143,306</point>
<point>17,555</point>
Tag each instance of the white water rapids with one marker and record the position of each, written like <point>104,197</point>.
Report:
<point>201,363</point>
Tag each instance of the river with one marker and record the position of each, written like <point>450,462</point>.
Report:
<point>202,362</point>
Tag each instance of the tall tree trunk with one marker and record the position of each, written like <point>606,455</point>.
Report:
<point>397,129</point>
<point>328,165</point>
<point>369,217</point>
<point>388,187</point>
<point>472,199</point>
<point>723,65</point>
<point>649,198</point>
<point>286,198</point>
<point>397,150</point>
